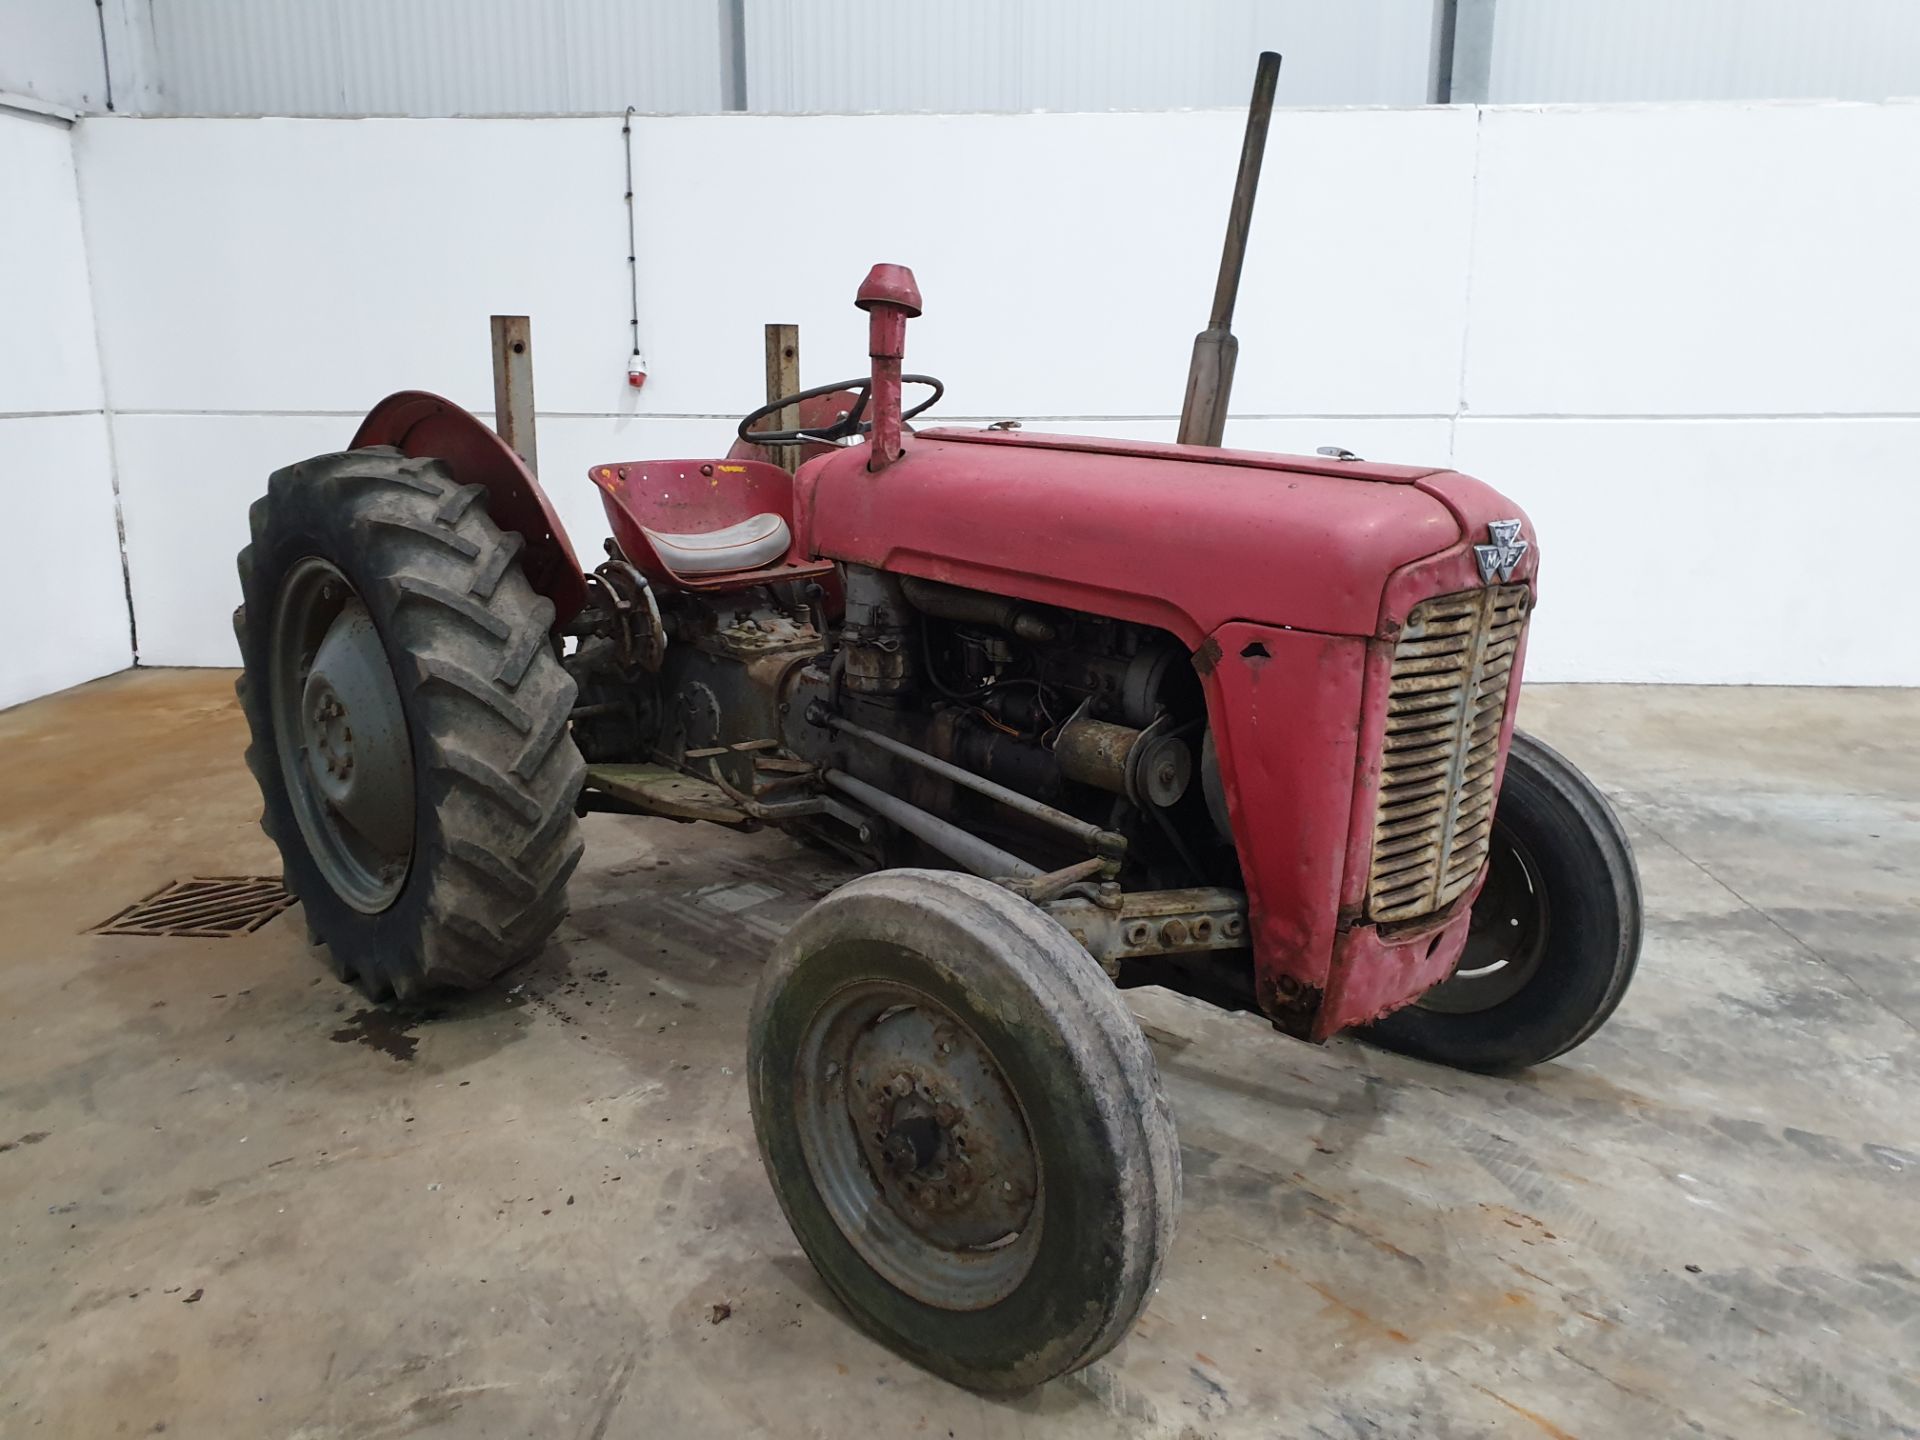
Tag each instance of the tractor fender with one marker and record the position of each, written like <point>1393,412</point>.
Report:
<point>428,427</point>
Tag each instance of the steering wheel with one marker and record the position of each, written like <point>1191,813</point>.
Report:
<point>849,423</point>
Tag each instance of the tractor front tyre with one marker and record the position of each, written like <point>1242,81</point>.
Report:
<point>1555,932</point>
<point>964,1126</point>
<point>409,722</point>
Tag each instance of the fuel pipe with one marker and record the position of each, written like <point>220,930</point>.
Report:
<point>1101,842</point>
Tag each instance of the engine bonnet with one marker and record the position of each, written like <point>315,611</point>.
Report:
<point>1183,537</point>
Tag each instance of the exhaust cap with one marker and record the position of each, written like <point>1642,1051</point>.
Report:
<point>890,285</point>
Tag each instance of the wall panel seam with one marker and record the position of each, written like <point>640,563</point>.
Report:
<point>106,396</point>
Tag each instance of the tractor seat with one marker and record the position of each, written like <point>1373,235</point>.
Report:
<point>755,542</point>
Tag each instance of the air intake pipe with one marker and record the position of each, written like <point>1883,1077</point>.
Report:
<point>890,297</point>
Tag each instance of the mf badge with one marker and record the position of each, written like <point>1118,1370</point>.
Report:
<point>1505,553</point>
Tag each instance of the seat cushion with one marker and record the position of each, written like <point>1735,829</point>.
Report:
<point>756,541</point>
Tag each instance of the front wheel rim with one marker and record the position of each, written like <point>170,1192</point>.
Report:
<point>341,736</point>
<point>918,1146</point>
<point>1506,939</point>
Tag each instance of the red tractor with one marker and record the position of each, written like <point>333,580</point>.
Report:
<point>1094,714</point>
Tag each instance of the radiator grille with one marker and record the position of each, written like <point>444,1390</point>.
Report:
<point>1451,673</point>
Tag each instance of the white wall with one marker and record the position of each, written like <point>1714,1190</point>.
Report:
<point>63,609</point>
<point>1691,352</point>
<point>251,269</point>
<point>1678,335</point>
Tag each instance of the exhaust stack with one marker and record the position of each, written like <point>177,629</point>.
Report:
<point>1203,418</point>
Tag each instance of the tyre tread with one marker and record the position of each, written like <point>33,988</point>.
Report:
<point>1537,1025</point>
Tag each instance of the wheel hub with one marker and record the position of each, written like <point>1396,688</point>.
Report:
<point>1505,939</point>
<point>943,1136</point>
<point>330,737</point>
<point>920,1147</point>
<point>345,752</point>
<point>355,733</point>
<point>914,1140</point>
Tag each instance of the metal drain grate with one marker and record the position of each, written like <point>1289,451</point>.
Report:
<point>208,908</point>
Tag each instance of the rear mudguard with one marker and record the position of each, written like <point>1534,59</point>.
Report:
<point>428,427</point>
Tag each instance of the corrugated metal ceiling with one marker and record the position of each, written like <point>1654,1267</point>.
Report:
<point>446,57</point>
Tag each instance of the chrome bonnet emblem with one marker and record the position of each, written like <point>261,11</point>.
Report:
<point>1504,554</point>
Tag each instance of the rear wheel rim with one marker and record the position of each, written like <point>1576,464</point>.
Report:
<point>918,1146</point>
<point>1507,937</point>
<point>341,735</point>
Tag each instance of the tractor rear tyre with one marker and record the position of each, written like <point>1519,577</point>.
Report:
<point>1555,932</point>
<point>409,722</point>
<point>964,1126</point>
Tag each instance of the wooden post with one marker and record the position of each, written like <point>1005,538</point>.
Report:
<point>783,378</point>
<point>513,386</point>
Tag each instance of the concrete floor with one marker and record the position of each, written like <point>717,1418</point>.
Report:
<point>237,1202</point>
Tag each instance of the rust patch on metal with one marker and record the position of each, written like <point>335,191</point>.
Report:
<point>1288,1002</point>
<point>206,908</point>
<point>1207,657</point>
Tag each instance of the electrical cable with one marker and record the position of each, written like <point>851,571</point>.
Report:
<point>633,250</point>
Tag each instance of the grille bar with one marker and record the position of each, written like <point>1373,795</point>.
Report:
<point>1452,672</point>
